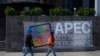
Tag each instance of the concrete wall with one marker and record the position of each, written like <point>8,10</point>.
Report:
<point>15,28</point>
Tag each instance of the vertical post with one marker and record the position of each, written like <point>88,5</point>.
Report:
<point>97,7</point>
<point>74,11</point>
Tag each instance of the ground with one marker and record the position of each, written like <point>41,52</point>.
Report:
<point>87,53</point>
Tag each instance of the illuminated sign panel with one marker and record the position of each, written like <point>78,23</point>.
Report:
<point>69,34</point>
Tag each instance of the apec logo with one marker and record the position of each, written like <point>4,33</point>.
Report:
<point>75,26</point>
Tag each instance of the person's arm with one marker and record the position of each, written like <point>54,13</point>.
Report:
<point>24,45</point>
<point>25,42</point>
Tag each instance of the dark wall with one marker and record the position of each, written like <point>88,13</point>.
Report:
<point>2,23</point>
<point>92,3</point>
<point>15,28</point>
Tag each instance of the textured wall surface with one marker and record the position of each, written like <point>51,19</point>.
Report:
<point>15,28</point>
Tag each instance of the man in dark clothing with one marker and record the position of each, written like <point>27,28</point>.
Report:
<point>28,43</point>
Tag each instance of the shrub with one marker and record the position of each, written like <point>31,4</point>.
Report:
<point>25,11</point>
<point>91,11</point>
<point>83,12</point>
<point>36,11</point>
<point>51,12</point>
<point>66,12</point>
<point>86,11</point>
<point>59,11</point>
<point>10,11</point>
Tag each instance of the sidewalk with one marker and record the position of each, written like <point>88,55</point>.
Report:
<point>88,53</point>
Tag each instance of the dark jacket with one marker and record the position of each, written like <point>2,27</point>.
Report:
<point>28,41</point>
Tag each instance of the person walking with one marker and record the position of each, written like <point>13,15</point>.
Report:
<point>28,45</point>
<point>51,43</point>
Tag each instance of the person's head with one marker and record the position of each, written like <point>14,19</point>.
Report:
<point>29,31</point>
<point>28,37</point>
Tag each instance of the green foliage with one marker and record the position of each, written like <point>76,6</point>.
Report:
<point>59,11</point>
<point>25,11</point>
<point>36,11</point>
<point>10,11</point>
<point>91,11</point>
<point>51,12</point>
<point>86,11</point>
<point>66,12</point>
<point>83,12</point>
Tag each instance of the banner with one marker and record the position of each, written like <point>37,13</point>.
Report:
<point>69,34</point>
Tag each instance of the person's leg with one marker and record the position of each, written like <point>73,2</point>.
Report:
<point>52,49</point>
<point>25,51</point>
<point>31,51</point>
<point>49,50</point>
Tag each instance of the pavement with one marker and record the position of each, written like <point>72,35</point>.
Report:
<point>85,53</point>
